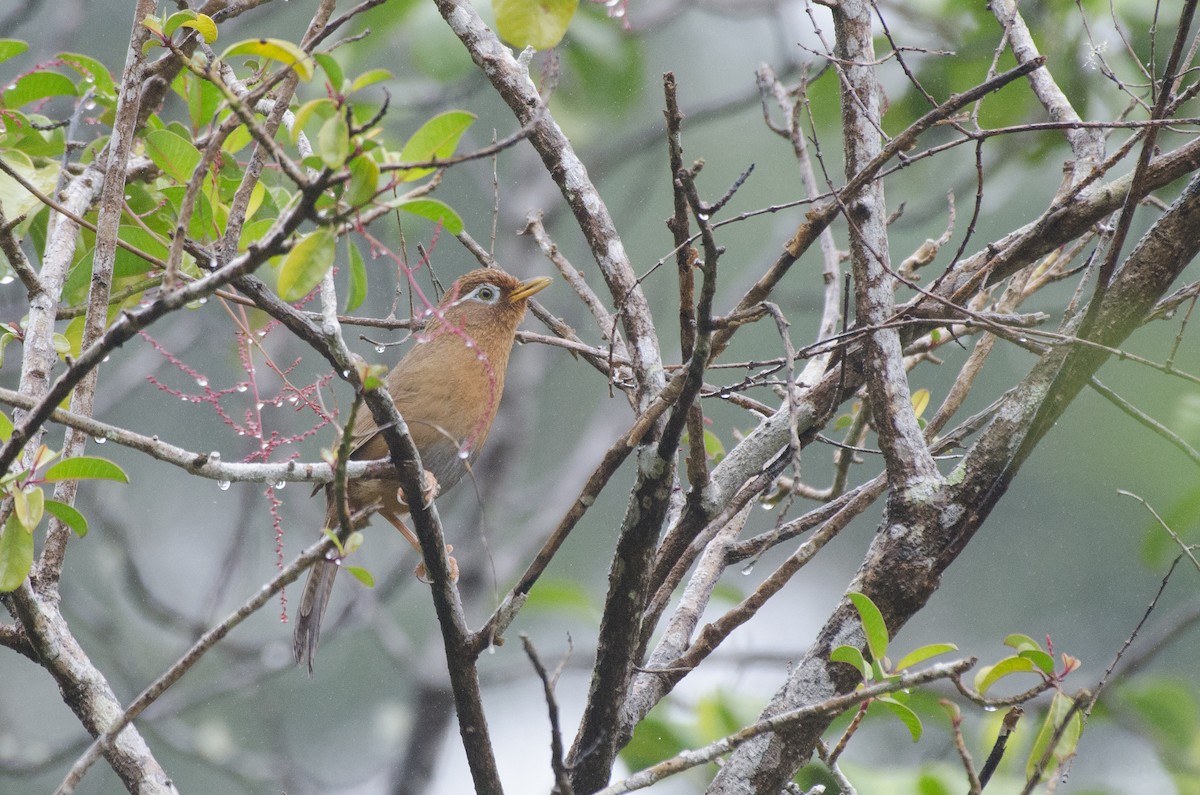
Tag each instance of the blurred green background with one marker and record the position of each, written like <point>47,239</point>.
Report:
<point>1063,555</point>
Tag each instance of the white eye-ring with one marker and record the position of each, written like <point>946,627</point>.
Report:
<point>484,293</point>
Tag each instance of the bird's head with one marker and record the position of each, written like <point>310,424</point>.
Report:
<point>487,302</point>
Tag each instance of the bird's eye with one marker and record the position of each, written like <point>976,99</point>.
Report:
<point>487,293</point>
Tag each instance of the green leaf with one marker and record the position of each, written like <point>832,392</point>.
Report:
<point>852,656</point>
<point>6,427</point>
<point>364,181</point>
<point>360,574</point>
<point>68,516</point>
<point>38,85</point>
<point>906,715</point>
<point>94,73</point>
<point>333,141</point>
<point>13,197</point>
<point>129,264</point>
<point>873,625</point>
<point>357,289</point>
<point>202,97</point>
<point>1041,659</point>
<point>920,401</point>
<point>173,153</point>
<point>1021,642</point>
<point>371,375</point>
<point>327,531</point>
<point>323,108</point>
<point>332,69</point>
<point>11,48</point>
<point>278,50</point>
<point>306,264</point>
<point>236,141</point>
<point>33,500</point>
<point>85,467</point>
<point>21,508</point>
<point>434,210</point>
<point>436,139</point>
<point>201,23</point>
<point>924,653</point>
<point>990,674</point>
<point>1060,706</point>
<point>369,78</point>
<point>713,447</point>
<point>16,554</point>
<point>175,20</point>
<point>539,24</point>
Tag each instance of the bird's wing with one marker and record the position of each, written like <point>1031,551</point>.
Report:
<point>365,427</point>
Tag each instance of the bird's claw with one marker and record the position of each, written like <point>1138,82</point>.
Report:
<point>423,575</point>
<point>429,489</point>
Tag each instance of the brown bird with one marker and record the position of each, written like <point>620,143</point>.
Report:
<point>447,388</point>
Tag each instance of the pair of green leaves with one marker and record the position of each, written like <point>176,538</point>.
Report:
<point>352,543</point>
<point>878,669</point>
<point>30,504</point>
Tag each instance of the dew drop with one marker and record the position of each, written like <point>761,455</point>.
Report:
<point>345,373</point>
<point>280,484</point>
<point>105,359</point>
<point>491,649</point>
<point>748,568</point>
<point>464,453</point>
<point>202,382</point>
<point>259,405</point>
<point>214,456</point>
<point>202,300</point>
<point>469,343</point>
<point>481,356</point>
<point>293,399</point>
<point>99,439</point>
<point>242,387</point>
<point>428,311</point>
<point>241,433</point>
<point>989,708</point>
<point>90,105</point>
<point>8,279</point>
<point>380,349</point>
<point>184,398</point>
<point>223,485</point>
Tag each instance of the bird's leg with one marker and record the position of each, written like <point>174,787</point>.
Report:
<point>427,494</point>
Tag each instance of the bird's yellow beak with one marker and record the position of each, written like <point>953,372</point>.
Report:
<point>528,288</point>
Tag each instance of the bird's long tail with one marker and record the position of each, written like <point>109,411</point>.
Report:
<point>312,608</point>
